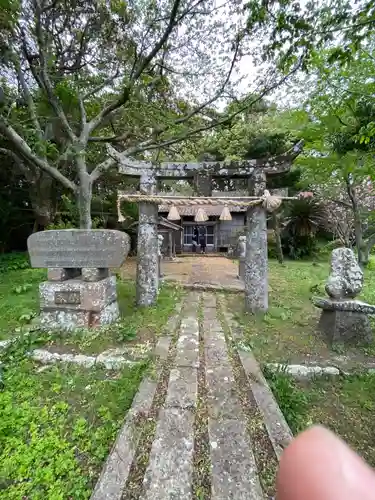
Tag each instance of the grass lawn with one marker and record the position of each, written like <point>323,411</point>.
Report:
<point>58,422</point>
<point>345,404</point>
<point>19,304</point>
<point>19,298</point>
<point>57,427</point>
<point>287,333</point>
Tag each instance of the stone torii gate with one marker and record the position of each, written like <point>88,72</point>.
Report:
<point>256,171</point>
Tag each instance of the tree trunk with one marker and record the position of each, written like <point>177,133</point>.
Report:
<point>84,197</point>
<point>279,248</point>
<point>358,229</point>
<point>41,192</point>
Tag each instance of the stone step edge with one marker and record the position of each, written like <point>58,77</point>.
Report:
<point>310,371</point>
<point>277,427</point>
<point>209,288</point>
<point>115,471</point>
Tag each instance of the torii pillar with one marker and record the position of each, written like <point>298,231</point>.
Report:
<point>256,260</point>
<point>147,249</point>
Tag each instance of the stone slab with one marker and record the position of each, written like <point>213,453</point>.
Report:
<point>170,470</point>
<point>77,248</point>
<point>304,371</point>
<point>222,400</point>
<point>182,388</point>
<point>209,301</point>
<point>344,305</point>
<point>116,470</point>
<point>188,344</point>
<point>162,348</point>
<point>210,315</point>
<point>277,428</point>
<point>237,289</point>
<point>94,274</point>
<point>234,471</point>
<point>61,274</point>
<point>345,326</point>
<point>77,294</point>
<point>60,319</point>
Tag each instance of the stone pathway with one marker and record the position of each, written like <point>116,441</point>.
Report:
<point>204,424</point>
<point>209,272</point>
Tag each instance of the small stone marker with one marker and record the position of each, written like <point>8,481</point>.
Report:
<point>80,292</point>
<point>241,257</point>
<point>344,319</point>
<point>160,254</point>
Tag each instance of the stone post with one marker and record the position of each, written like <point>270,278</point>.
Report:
<point>256,272</point>
<point>241,257</point>
<point>147,250</point>
<point>160,254</point>
<point>170,244</point>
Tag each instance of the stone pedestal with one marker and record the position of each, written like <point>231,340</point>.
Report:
<point>345,327</point>
<point>76,303</point>
<point>345,321</point>
<point>80,291</point>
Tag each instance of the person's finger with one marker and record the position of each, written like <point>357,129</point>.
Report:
<point>319,466</point>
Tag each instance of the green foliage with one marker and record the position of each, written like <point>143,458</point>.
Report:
<point>57,426</point>
<point>19,289</point>
<point>260,136</point>
<point>302,221</point>
<point>293,29</point>
<point>291,399</point>
<point>345,405</point>
<point>14,306</point>
<point>13,262</point>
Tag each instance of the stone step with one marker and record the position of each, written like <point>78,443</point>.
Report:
<point>116,470</point>
<point>234,473</point>
<point>278,430</point>
<point>170,470</point>
<point>202,435</point>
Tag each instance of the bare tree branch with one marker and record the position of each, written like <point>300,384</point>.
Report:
<point>100,87</point>
<point>29,100</point>
<point>125,96</point>
<point>46,82</point>
<point>103,167</point>
<point>83,112</point>
<point>27,153</point>
<point>112,139</point>
<point>151,144</point>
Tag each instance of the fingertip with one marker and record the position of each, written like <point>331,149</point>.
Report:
<point>319,466</point>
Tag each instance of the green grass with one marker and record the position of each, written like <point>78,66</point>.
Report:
<point>57,427</point>
<point>19,304</point>
<point>288,332</point>
<point>344,404</point>
<point>58,423</point>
